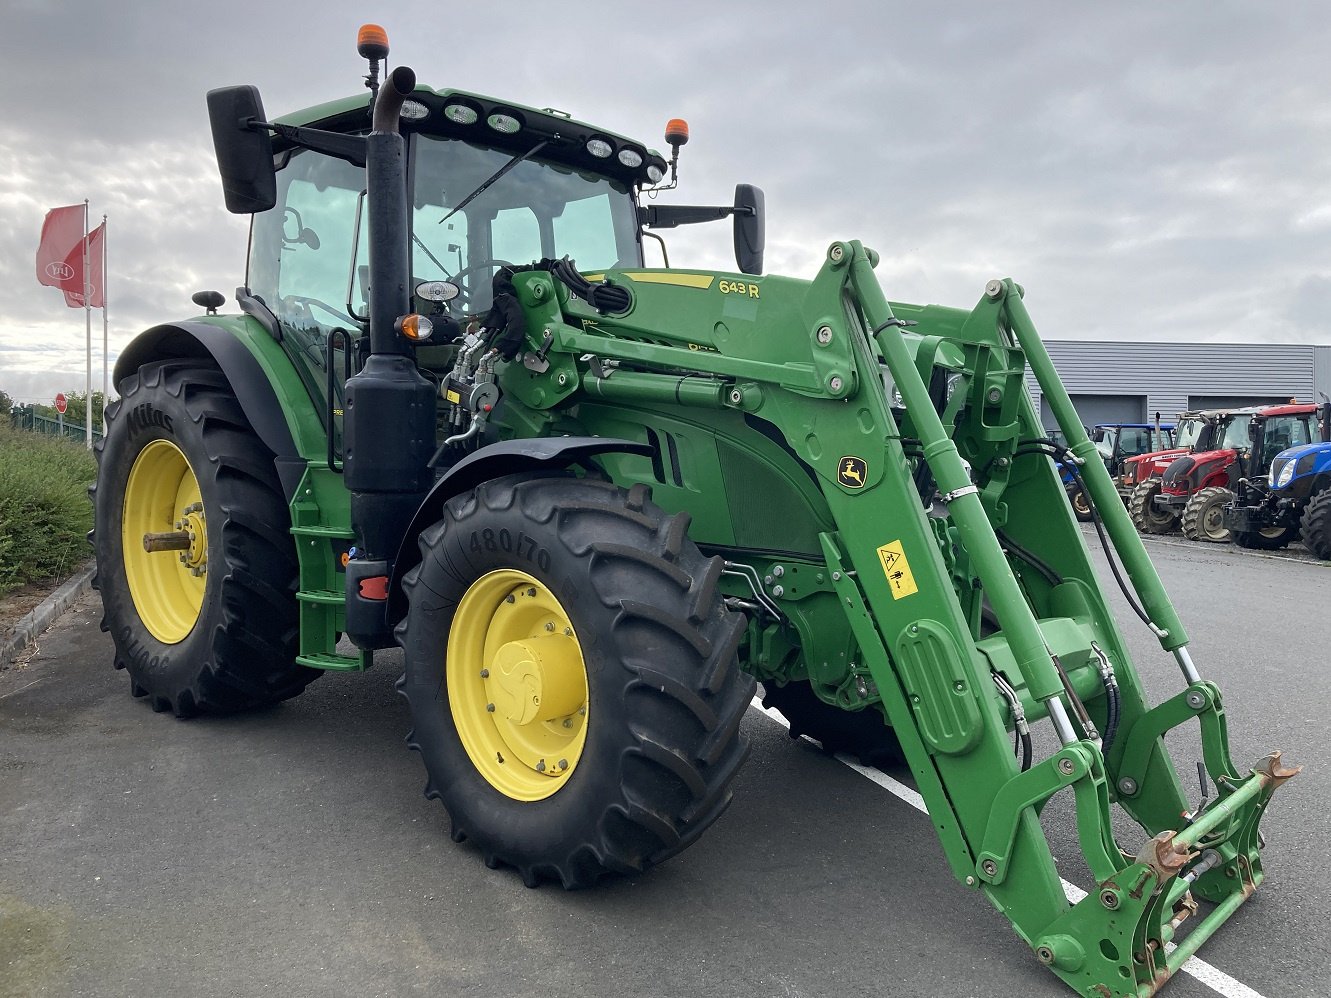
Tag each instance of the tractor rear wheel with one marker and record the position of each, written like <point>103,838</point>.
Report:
<point>1147,517</point>
<point>863,734</point>
<point>206,620</point>
<point>573,677</point>
<point>1315,525</point>
<point>1204,515</point>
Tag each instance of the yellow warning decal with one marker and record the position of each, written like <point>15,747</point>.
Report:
<point>453,397</point>
<point>897,570</point>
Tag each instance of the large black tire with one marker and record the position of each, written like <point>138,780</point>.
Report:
<point>663,696</point>
<point>863,733</point>
<point>1315,525</point>
<point>1204,515</point>
<point>1146,516</point>
<point>1266,539</point>
<point>178,427</point>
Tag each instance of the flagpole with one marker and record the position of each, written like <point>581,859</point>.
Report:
<point>87,316</point>
<point>106,322</point>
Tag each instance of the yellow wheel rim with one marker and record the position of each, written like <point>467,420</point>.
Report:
<point>162,498</point>
<point>517,685</point>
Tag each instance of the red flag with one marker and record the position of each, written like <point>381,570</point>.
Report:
<point>96,241</point>
<point>60,253</point>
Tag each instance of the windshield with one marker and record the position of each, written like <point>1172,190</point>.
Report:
<point>1282,432</point>
<point>1189,431</point>
<point>309,256</point>
<point>534,211</point>
<point>1235,436</point>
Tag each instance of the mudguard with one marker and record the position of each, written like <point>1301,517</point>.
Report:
<point>243,372</point>
<point>508,457</point>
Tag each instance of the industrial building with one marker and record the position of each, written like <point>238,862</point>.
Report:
<point>1130,382</point>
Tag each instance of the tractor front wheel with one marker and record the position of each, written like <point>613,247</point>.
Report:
<point>195,565</point>
<point>1204,515</point>
<point>1266,539</point>
<point>1081,504</point>
<point>573,677</point>
<point>1315,525</point>
<point>1146,516</point>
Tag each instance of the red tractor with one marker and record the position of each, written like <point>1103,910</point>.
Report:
<point>1197,487</point>
<point>1139,482</point>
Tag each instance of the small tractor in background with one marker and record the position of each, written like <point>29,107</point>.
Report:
<point>1293,499</point>
<point>1116,444</point>
<point>1197,487</point>
<point>1139,482</point>
<point>595,503</point>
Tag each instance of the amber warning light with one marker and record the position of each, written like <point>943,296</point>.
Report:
<point>372,42</point>
<point>676,133</point>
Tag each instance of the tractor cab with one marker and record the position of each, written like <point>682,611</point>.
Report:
<point>491,185</point>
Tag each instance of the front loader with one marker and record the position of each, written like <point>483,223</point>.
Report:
<point>593,501</point>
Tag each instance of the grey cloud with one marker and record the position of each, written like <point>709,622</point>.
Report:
<point>1145,170</point>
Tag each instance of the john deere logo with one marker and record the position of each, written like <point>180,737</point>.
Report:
<point>852,472</point>
<point>59,271</point>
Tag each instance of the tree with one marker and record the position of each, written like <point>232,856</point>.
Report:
<point>6,403</point>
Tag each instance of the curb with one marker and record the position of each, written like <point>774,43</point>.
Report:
<point>44,615</point>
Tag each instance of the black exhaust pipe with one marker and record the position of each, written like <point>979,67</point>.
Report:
<point>389,417</point>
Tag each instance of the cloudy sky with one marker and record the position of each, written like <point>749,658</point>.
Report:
<point>1147,170</point>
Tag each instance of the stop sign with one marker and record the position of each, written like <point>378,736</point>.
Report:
<point>61,403</point>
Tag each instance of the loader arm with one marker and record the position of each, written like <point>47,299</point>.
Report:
<point>941,532</point>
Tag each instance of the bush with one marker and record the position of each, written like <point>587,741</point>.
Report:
<point>44,510</point>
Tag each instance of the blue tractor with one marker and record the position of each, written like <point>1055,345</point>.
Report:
<point>1293,500</point>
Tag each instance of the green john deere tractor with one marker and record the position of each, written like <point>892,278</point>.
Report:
<point>593,501</point>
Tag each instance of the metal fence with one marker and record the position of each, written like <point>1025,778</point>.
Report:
<point>25,417</point>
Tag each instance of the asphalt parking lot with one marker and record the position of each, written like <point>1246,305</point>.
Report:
<point>290,851</point>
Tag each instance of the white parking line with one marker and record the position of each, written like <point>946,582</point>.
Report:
<point>1214,978</point>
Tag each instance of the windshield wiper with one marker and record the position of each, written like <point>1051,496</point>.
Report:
<point>495,176</point>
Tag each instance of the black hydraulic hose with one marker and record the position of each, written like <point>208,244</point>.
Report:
<point>1109,556</point>
<point>1059,451</point>
<point>1050,576</point>
<point>1113,714</point>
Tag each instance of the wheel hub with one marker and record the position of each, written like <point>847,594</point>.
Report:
<point>163,516</point>
<point>536,679</point>
<point>517,685</point>
<point>193,525</point>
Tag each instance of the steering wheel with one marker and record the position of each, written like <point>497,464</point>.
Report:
<point>305,305</point>
<point>467,292</point>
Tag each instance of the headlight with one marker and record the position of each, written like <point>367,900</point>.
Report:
<point>1284,476</point>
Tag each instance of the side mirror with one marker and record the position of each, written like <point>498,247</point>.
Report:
<point>750,229</point>
<point>244,153</point>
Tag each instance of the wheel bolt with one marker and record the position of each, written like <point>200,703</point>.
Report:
<point>485,673</point>
<point>549,626</point>
<point>563,764</point>
<point>490,707</point>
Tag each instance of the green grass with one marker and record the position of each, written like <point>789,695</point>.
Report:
<point>44,510</point>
